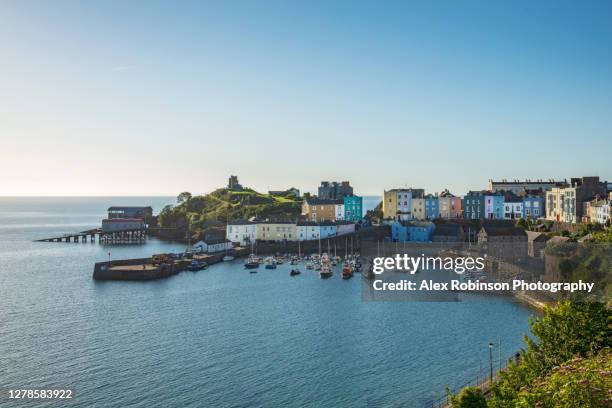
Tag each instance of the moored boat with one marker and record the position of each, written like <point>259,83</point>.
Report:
<point>326,272</point>
<point>347,271</point>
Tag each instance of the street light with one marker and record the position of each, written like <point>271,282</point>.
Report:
<point>490,363</point>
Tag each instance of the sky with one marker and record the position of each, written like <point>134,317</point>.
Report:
<point>155,98</point>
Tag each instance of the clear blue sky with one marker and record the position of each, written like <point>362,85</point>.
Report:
<point>140,98</point>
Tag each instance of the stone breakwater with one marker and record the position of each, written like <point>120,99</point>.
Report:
<point>143,269</point>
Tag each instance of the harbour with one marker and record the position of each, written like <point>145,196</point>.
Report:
<point>203,322</point>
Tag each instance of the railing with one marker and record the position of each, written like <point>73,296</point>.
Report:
<point>481,380</point>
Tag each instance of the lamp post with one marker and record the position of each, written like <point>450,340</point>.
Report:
<point>490,363</point>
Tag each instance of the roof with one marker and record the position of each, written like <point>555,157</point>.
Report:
<point>123,220</point>
<point>276,222</point>
<point>446,193</point>
<point>527,182</point>
<point>503,231</point>
<point>241,222</point>
<point>512,199</point>
<point>557,239</point>
<point>316,224</point>
<point>323,201</point>
<point>114,208</point>
<point>535,236</point>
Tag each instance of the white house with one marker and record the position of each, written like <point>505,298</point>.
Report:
<point>243,232</point>
<point>216,245</point>
<point>513,209</point>
<point>339,212</point>
<point>603,212</point>
<point>307,230</point>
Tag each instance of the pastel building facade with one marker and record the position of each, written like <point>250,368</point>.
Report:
<point>309,230</point>
<point>276,231</point>
<point>397,203</point>
<point>432,207</point>
<point>474,205</point>
<point>353,208</point>
<point>418,208</point>
<point>533,207</point>
<point>339,212</point>
<point>566,204</point>
<point>494,207</point>
<point>513,208</point>
<point>243,232</point>
<point>320,210</point>
<point>449,205</point>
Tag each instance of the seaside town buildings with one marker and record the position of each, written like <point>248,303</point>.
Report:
<point>319,209</point>
<point>245,232</point>
<point>334,190</point>
<point>349,208</point>
<point>450,206</point>
<point>397,203</point>
<point>566,204</point>
<point>213,245</point>
<point>518,187</point>
<point>352,207</point>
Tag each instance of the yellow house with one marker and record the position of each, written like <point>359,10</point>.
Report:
<point>418,209</point>
<point>554,204</point>
<point>277,231</point>
<point>397,203</point>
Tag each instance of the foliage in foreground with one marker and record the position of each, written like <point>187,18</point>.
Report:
<point>566,365</point>
<point>469,397</point>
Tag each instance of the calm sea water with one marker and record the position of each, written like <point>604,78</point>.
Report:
<point>219,337</point>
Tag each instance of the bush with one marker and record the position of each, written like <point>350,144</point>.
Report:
<point>469,397</point>
<point>570,330</point>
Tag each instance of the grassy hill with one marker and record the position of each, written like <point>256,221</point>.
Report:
<point>206,213</point>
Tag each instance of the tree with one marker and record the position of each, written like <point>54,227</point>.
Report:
<point>469,397</point>
<point>184,197</point>
<point>522,223</point>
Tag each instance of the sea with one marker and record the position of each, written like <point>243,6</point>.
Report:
<point>221,337</point>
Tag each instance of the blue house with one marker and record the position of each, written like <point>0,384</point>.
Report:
<point>494,207</point>
<point>533,207</point>
<point>432,207</point>
<point>414,231</point>
<point>353,208</point>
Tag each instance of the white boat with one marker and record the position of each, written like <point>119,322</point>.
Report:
<point>228,258</point>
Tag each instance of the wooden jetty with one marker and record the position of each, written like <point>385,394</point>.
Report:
<point>105,237</point>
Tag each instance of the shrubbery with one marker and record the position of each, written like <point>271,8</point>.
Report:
<point>566,364</point>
